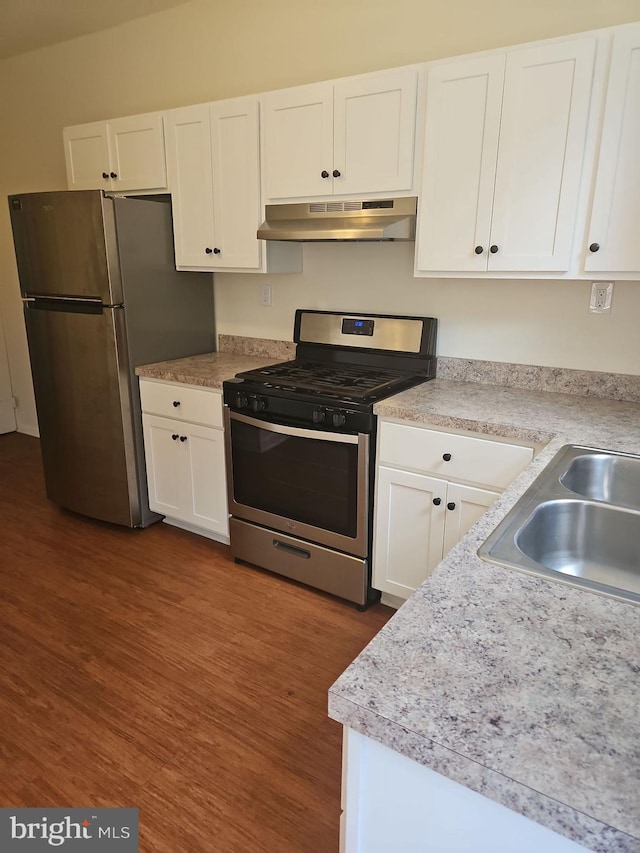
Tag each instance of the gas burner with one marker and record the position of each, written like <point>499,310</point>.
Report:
<point>337,381</point>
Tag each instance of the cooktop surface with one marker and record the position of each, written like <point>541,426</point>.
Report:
<point>337,381</point>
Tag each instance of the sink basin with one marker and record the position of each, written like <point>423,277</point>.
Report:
<point>605,477</point>
<point>578,523</point>
<point>584,540</point>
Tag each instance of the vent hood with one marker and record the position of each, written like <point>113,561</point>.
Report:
<point>383,219</point>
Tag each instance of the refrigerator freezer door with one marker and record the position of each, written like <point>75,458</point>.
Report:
<point>84,409</point>
<point>65,245</point>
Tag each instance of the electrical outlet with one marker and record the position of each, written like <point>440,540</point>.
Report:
<point>265,295</point>
<point>601,294</point>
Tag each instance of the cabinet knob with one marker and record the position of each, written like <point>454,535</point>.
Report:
<point>493,249</point>
<point>183,438</point>
<point>594,247</point>
<point>437,501</point>
<point>478,250</point>
<point>114,175</point>
<point>216,251</point>
<point>208,251</point>
<point>176,403</point>
<point>450,505</point>
<point>446,457</point>
<point>336,173</point>
<point>175,436</point>
<point>324,174</point>
<point>105,175</point>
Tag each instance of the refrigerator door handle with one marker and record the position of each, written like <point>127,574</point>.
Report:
<point>70,304</point>
<point>35,297</point>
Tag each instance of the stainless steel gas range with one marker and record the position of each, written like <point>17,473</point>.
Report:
<point>300,440</point>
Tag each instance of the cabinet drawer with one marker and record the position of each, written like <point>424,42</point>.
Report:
<point>477,460</point>
<point>182,402</point>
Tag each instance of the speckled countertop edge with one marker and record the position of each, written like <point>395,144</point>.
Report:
<point>525,772</point>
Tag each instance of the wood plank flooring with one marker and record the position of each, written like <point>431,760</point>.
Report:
<point>146,669</point>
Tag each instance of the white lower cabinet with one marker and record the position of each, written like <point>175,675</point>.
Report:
<point>392,803</point>
<point>420,517</point>
<point>185,460</point>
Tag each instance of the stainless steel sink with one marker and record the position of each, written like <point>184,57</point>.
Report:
<point>605,477</point>
<point>578,522</point>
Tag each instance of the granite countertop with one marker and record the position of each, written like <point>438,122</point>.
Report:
<point>208,370</point>
<point>521,688</point>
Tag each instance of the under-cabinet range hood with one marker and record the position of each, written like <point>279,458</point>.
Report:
<point>382,219</point>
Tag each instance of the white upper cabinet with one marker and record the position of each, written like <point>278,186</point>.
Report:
<point>122,154</point>
<point>86,151</point>
<point>464,101</point>
<point>613,243</point>
<point>189,165</point>
<point>349,137</point>
<point>298,142</point>
<point>213,155</point>
<point>505,136</point>
<point>235,146</point>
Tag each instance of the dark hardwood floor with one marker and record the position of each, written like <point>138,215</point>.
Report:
<point>146,669</point>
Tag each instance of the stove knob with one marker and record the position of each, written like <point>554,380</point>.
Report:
<point>258,404</point>
<point>241,401</point>
<point>338,419</point>
<point>318,416</point>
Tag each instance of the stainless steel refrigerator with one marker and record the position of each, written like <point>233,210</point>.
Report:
<point>101,295</point>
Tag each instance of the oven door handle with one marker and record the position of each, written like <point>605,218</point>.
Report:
<point>339,438</point>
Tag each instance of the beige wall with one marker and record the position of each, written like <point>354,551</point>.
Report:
<point>209,49</point>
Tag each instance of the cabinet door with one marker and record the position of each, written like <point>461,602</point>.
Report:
<point>374,132</point>
<point>136,144</point>
<point>236,182</point>
<point>460,150</point>
<point>204,502</point>
<point>165,469</point>
<point>469,504</point>
<point>299,141</point>
<point>86,153</point>
<point>542,139</point>
<point>616,204</point>
<point>191,182</point>
<point>409,530</point>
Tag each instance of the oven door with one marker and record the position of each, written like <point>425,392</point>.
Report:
<point>305,482</point>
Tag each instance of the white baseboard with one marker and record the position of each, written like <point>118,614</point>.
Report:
<point>29,429</point>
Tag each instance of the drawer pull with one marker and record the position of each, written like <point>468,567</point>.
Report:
<point>451,505</point>
<point>290,549</point>
<point>175,436</point>
<point>183,438</point>
<point>446,457</point>
<point>437,501</point>
<point>176,403</point>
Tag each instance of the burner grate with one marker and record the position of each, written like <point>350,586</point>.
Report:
<point>327,379</point>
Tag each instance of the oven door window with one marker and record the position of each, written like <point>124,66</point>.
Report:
<point>304,479</point>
